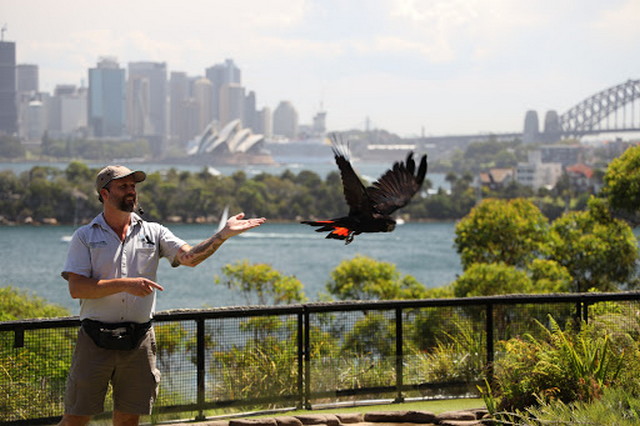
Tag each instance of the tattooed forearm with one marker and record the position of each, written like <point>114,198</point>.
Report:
<point>198,253</point>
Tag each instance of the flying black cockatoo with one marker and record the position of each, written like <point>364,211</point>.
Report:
<point>370,207</point>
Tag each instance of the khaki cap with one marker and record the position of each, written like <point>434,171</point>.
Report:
<point>110,173</point>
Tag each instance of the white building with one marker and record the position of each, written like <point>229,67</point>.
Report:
<point>536,174</point>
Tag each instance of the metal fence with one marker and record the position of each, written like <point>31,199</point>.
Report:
<point>225,360</point>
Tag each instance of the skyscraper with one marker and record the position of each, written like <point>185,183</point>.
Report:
<point>106,102</point>
<point>147,102</point>
<point>264,122</point>
<point>202,96</point>
<point>231,103</point>
<point>8,96</point>
<point>31,109</point>
<point>285,120</point>
<point>67,111</point>
<point>27,78</point>
<point>178,97</point>
<point>250,114</point>
<point>219,75</point>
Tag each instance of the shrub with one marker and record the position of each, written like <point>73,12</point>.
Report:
<point>565,365</point>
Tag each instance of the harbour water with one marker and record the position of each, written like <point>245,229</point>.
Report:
<point>31,258</point>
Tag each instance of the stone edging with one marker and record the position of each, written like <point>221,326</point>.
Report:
<point>472,417</point>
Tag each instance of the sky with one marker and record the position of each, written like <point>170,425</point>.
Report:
<point>411,67</point>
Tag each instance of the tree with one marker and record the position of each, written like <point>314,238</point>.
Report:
<point>485,279</point>
<point>35,373</point>
<point>622,181</point>
<point>17,304</point>
<point>262,284</point>
<point>598,250</point>
<point>363,278</point>
<point>510,231</point>
<point>548,276</point>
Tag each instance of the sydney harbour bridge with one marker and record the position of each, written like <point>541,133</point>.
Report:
<point>613,110</point>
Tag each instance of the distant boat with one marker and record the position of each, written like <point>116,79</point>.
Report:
<point>399,221</point>
<point>223,219</point>
<point>65,238</point>
<point>213,171</point>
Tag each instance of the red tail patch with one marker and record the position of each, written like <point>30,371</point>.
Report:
<point>343,232</point>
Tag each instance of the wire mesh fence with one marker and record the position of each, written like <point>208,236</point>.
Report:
<point>220,361</point>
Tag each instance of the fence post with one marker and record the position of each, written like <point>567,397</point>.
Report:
<point>585,312</point>
<point>301,363</point>
<point>489,333</point>
<point>18,337</point>
<point>399,356</point>
<point>200,365</point>
<point>307,361</point>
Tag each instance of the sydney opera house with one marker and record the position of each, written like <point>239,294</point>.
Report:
<point>233,144</point>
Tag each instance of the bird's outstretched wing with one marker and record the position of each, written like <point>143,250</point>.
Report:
<point>395,188</point>
<point>354,191</point>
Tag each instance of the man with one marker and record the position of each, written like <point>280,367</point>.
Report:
<point>111,267</point>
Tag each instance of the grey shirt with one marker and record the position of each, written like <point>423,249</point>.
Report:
<point>95,251</point>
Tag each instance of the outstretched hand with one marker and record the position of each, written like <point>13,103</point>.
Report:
<point>237,225</point>
<point>192,256</point>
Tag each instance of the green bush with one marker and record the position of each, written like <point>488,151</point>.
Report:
<point>566,366</point>
<point>459,355</point>
<point>616,407</point>
<point>34,374</point>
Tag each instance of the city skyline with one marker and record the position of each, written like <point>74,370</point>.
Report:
<point>454,67</point>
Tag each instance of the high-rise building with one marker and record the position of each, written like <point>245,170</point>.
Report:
<point>264,123</point>
<point>32,110</point>
<point>250,114</point>
<point>231,103</point>
<point>67,111</point>
<point>106,100</point>
<point>27,78</point>
<point>202,95</point>
<point>320,122</point>
<point>285,120</point>
<point>147,102</point>
<point>219,75</point>
<point>138,107</point>
<point>178,96</point>
<point>8,95</point>
<point>34,121</point>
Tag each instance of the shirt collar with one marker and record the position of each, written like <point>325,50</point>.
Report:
<point>99,221</point>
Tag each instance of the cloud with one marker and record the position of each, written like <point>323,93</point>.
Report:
<point>451,65</point>
<point>619,23</point>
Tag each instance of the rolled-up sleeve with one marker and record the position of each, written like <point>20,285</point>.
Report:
<point>169,245</point>
<point>78,257</point>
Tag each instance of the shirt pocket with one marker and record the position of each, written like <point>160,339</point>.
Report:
<point>146,262</point>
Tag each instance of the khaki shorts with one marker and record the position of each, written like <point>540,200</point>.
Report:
<point>133,375</point>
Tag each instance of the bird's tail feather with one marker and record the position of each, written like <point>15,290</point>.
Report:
<point>336,231</point>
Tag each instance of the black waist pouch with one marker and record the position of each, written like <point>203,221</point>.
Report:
<point>121,336</point>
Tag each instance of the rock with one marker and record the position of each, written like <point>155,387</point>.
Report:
<point>318,419</point>
<point>253,422</point>
<point>288,421</point>
<point>350,417</point>
<point>401,417</point>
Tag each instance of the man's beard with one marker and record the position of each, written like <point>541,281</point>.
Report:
<point>127,204</point>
